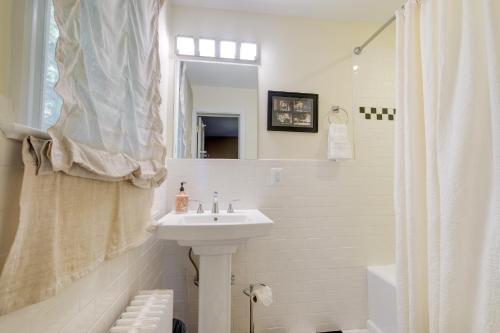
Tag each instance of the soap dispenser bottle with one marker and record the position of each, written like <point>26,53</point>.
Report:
<point>181,200</point>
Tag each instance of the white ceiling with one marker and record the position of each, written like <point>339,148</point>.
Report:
<point>222,75</point>
<point>339,10</point>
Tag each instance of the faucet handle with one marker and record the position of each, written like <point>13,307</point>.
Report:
<point>200,207</point>
<point>230,209</point>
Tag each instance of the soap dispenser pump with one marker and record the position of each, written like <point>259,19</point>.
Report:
<point>181,200</point>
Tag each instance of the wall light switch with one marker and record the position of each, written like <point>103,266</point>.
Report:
<point>276,176</point>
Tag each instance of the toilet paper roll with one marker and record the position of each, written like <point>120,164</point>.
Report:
<point>262,294</point>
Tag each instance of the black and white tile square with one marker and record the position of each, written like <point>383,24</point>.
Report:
<point>377,113</point>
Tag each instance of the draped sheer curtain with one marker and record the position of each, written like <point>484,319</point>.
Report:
<point>110,126</point>
<point>448,166</point>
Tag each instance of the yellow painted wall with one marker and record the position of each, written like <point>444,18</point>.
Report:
<point>5,40</point>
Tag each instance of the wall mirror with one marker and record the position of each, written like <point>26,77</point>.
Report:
<point>216,111</point>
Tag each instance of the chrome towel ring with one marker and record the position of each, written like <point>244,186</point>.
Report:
<point>336,110</point>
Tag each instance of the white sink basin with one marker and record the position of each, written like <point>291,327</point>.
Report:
<point>214,237</point>
<point>194,229</point>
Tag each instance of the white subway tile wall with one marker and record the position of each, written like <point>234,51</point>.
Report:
<point>331,220</point>
<point>176,277</point>
<point>374,79</point>
<point>93,303</point>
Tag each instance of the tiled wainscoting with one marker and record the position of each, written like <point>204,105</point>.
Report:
<point>331,221</point>
<point>93,303</point>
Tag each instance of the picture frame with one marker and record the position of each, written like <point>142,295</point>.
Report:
<point>292,111</point>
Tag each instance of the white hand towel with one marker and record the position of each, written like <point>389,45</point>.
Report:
<point>339,147</point>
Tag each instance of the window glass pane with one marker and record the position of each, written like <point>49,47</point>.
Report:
<point>207,47</point>
<point>52,102</point>
<point>248,51</point>
<point>227,49</point>
<point>185,46</point>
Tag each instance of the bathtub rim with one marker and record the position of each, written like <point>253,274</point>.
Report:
<point>385,272</point>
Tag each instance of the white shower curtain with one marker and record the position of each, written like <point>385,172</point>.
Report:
<point>448,166</point>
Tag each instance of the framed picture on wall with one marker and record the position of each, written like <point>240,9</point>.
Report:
<point>292,112</point>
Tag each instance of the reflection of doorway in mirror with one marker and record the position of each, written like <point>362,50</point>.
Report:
<point>215,89</point>
<point>218,136</point>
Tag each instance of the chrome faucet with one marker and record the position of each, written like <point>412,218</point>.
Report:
<point>230,209</point>
<point>215,203</point>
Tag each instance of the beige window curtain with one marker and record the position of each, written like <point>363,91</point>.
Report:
<point>87,193</point>
<point>68,226</point>
<point>110,127</point>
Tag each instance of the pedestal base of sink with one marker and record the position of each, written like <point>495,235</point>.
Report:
<point>214,295</point>
<point>214,237</point>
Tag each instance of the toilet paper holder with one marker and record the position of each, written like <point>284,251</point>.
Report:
<point>253,299</point>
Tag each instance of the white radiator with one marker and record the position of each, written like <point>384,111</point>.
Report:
<point>151,311</point>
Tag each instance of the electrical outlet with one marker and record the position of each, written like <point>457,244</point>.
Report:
<point>276,176</point>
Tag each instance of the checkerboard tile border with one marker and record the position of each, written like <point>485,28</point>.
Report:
<point>377,113</point>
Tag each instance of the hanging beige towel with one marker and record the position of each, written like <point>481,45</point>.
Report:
<point>68,226</point>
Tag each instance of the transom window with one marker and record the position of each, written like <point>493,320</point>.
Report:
<point>225,50</point>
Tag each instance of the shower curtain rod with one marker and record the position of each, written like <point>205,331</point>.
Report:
<point>358,50</point>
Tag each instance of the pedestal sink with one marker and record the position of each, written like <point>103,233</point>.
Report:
<point>214,237</point>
